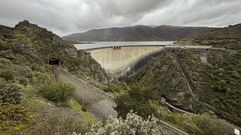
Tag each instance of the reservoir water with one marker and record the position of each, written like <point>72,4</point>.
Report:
<point>93,45</point>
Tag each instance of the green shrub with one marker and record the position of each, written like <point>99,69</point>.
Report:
<point>211,126</point>
<point>24,72</point>
<point>9,93</point>
<point>11,115</point>
<point>4,63</point>
<point>12,112</point>
<point>7,74</point>
<point>120,87</point>
<point>83,108</point>
<point>235,74</point>
<point>57,92</point>
<point>23,81</point>
<point>125,103</point>
<point>221,86</point>
<point>2,44</point>
<point>202,124</point>
<point>41,79</point>
<point>23,38</point>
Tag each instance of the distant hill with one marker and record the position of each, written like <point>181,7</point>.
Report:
<point>230,32</point>
<point>139,33</point>
<point>227,37</point>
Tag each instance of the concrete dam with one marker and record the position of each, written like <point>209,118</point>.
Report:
<point>118,60</point>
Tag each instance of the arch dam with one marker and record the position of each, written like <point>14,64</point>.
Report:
<point>118,60</point>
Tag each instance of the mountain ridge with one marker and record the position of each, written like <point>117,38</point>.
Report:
<point>139,33</point>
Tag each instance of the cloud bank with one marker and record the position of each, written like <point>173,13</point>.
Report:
<point>69,16</point>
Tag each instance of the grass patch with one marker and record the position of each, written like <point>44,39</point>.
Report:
<point>88,117</point>
<point>35,103</point>
<point>23,38</point>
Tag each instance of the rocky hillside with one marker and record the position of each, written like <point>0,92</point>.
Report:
<point>28,43</point>
<point>33,102</point>
<point>230,32</point>
<point>138,33</point>
<point>160,74</point>
<point>216,82</point>
<point>228,37</point>
<point>30,97</point>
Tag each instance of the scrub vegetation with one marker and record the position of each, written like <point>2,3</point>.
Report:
<point>32,102</point>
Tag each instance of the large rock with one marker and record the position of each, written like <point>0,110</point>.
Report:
<point>26,49</point>
<point>72,52</point>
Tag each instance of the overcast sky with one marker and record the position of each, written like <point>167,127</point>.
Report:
<point>70,16</point>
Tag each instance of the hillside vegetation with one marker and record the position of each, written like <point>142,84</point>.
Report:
<point>29,95</point>
<point>228,37</point>
<point>32,102</point>
<point>216,82</point>
<point>216,86</point>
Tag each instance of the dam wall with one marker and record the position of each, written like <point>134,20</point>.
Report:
<point>117,61</point>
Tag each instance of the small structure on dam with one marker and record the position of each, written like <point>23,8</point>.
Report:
<point>116,47</point>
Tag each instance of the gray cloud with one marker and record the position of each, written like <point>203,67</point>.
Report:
<point>68,16</point>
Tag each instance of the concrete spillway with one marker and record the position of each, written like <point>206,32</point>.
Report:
<point>117,61</point>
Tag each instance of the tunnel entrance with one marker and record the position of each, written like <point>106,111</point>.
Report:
<point>163,99</point>
<point>54,61</point>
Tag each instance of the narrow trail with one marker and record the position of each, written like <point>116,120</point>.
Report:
<point>99,103</point>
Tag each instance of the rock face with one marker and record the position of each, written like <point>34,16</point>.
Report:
<point>72,52</point>
<point>5,32</point>
<point>36,32</point>
<point>27,49</point>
